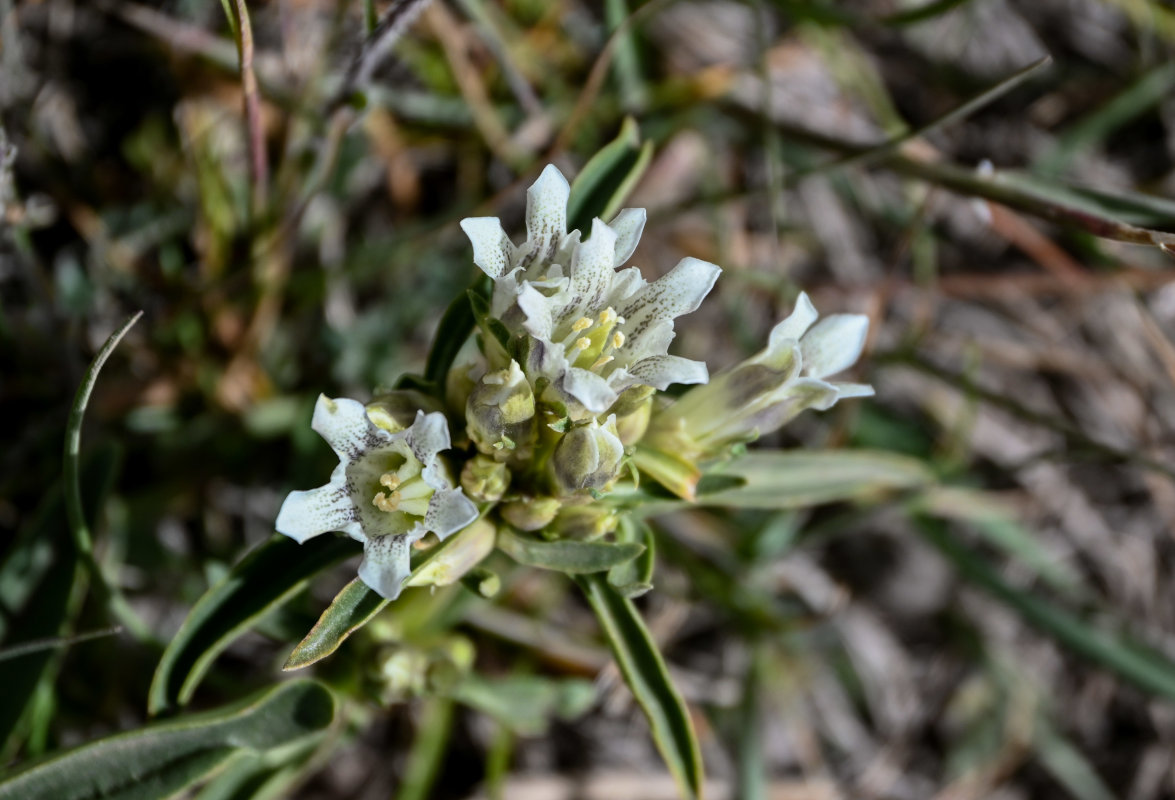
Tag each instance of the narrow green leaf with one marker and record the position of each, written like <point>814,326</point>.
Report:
<point>159,760</point>
<point>107,592</point>
<point>267,577</point>
<point>635,577</point>
<point>647,676</point>
<point>37,578</point>
<point>608,178</point>
<point>1146,668</point>
<point>800,478</point>
<point>454,328</point>
<point>574,558</point>
<point>355,605</point>
<point>352,608</point>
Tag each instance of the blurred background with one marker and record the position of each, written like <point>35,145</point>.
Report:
<point>1004,631</point>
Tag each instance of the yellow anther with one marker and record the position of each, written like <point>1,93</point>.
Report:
<point>390,480</point>
<point>607,316</point>
<point>601,361</point>
<point>582,324</point>
<point>617,340</point>
<point>583,343</point>
<point>385,503</point>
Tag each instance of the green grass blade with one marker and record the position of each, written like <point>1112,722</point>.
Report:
<point>1148,669</point>
<point>37,578</point>
<point>159,760</point>
<point>645,673</point>
<point>428,750</point>
<point>266,578</point>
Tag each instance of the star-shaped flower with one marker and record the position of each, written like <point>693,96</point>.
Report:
<point>388,491</point>
<point>594,331</point>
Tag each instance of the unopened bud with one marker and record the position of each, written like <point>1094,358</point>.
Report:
<point>531,514</point>
<point>632,426</point>
<point>396,410</point>
<point>585,522</point>
<point>588,457</point>
<point>484,479</point>
<point>500,413</point>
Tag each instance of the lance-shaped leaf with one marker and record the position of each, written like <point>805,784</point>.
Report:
<point>356,604</point>
<point>800,478</point>
<point>645,673</point>
<point>265,579</point>
<point>574,558</point>
<point>159,760</point>
<point>608,177</point>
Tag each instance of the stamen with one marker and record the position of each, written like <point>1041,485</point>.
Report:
<point>617,340</point>
<point>385,503</point>
<point>607,316</point>
<point>601,361</point>
<point>390,480</point>
<point>582,324</point>
<point>583,343</point>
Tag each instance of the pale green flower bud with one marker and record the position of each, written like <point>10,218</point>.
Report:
<point>632,426</point>
<point>588,457</point>
<point>484,479</point>
<point>530,514</point>
<point>457,556</point>
<point>500,413</point>
<point>396,410</point>
<point>585,522</point>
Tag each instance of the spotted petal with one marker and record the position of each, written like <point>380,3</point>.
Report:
<point>679,292</point>
<point>448,512</point>
<point>591,271</point>
<point>343,423</point>
<point>493,251</point>
<point>385,564</point>
<point>305,515</point>
<point>661,371</point>
<point>546,216</point>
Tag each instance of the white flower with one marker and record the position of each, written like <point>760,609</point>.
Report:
<point>388,490</point>
<point>594,331</point>
<point>766,391</point>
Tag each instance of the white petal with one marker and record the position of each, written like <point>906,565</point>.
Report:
<point>386,564</point>
<point>660,371</point>
<point>345,426</point>
<point>625,284</point>
<point>844,390</point>
<point>796,323</point>
<point>834,344</point>
<point>449,511</point>
<point>541,311</point>
<point>629,224</point>
<point>305,515</point>
<point>428,436</point>
<point>493,251</point>
<point>674,294</point>
<point>546,215</point>
<point>591,390</point>
<point>591,271</point>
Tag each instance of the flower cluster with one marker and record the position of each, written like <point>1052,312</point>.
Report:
<point>561,398</point>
